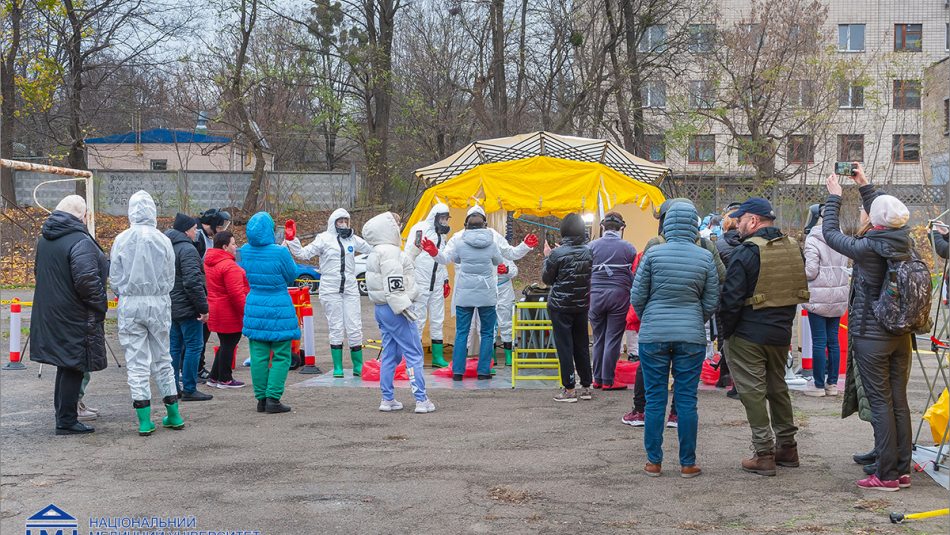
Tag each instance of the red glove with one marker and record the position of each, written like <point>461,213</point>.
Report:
<point>429,247</point>
<point>531,241</point>
<point>502,269</point>
<point>446,290</point>
<point>290,230</point>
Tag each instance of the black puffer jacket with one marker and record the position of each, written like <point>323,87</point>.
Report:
<point>70,302</point>
<point>568,269</point>
<point>941,244</point>
<point>870,254</point>
<point>189,296</point>
<point>730,240</point>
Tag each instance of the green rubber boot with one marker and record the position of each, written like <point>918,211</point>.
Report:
<point>174,419</point>
<point>356,355</point>
<point>143,410</point>
<point>508,351</point>
<point>336,353</point>
<point>438,355</point>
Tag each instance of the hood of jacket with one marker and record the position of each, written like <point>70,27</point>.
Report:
<point>478,238</point>
<point>382,229</point>
<point>732,237</point>
<point>769,233</point>
<point>891,242</point>
<point>177,236</point>
<point>59,224</point>
<point>214,257</point>
<point>337,214</point>
<point>681,223</point>
<point>260,229</point>
<point>816,233</point>
<point>142,209</point>
<point>436,210</point>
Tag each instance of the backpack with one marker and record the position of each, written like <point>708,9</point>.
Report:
<point>903,305</point>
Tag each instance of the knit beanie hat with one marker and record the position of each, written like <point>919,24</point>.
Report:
<point>73,205</point>
<point>183,223</point>
<point>888,211</point>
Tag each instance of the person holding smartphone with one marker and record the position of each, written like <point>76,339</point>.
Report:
<point>432,278</point>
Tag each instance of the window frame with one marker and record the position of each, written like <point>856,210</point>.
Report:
<point>648,92</point>
<point>705,90</point>
<point>898,150</point>
<point>652,140</point>
<point>902,31</point>
<point>646,45</point>
<point>863,38</point>
<point>946,116</point>
<point>900,90</point>
<point>794,144</point>
<point>153,161</point>
<point>850,87</point>
<point>845,144</point>
<point>697,31</point>
<point>742,154</point>
<point>694,152</point>
<point>801,93</point>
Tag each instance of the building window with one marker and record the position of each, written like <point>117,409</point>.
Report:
<point>907,94</point>
<point>702,149</point>
<point>158,165</point>
<point>906,148</point>
<point>701,38</point>
<point>655,148</point>
<point>701,94</point>
<point>653,94</point>
<point>801,149</point>
<point>744,149</point>
<point>851,38</point>
<point>850,95</point>
<point>851,148</point>
<point>653,39</point>
<point>754,34</point>
<point>804,94</point>
<point>908,37</point>
<point>946,116</point>
<point>946,37</point>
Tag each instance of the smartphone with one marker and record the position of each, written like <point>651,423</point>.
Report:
<point>418,241</point>
<point>844,168</point>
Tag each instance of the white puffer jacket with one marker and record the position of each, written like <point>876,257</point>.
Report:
<point>390,277</point>
<point>828,276</point>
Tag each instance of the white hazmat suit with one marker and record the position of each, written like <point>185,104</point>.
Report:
<point>430,275</point>
<point>142,275</point>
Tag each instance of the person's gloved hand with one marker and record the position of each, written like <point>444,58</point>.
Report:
<point>446,289</point>
<point>502,269</point>
<point>290,230</point>
<point>531,241</point>
<point>429,247</point>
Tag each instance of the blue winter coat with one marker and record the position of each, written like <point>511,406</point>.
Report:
<point>268,313</point>
<point>676,288</point>
<point>476,258</point>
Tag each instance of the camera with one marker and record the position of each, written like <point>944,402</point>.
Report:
<point>844,168</point>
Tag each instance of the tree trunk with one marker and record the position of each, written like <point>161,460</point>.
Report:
<point>634,79</point>
<point>77,147</point>
<point>8,97</point>
<point>499,84</point>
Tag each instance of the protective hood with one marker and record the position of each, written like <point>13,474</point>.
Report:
<point>382,229</point>
<point>260,230</point>
<point>681,223</point>
<point>59,224</point>
<point>478,238</point>
<point>142,209</point>
<point>475,210</point>
<point>435,212</point>
<point>331,222</point>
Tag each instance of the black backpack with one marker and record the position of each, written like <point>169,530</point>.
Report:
<point>903,305</point>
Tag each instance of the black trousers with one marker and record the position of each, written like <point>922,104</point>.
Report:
<point>66,396</point>
<point>640,395</point>
<point>204,346</point>
<point>884,366</point>
<point>221,369</point>
<point>572,342</point>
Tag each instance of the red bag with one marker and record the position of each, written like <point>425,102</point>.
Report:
<point>626,372</point>
<point>471,369</point>
<point>371,371</point>
<point>709,375</point>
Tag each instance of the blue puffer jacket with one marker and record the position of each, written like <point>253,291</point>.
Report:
<point>475,280</point>
<point>677,287</point>
<point>268,313</point>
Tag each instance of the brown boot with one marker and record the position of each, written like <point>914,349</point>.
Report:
<point>762,463</point>
<point>787,455</point>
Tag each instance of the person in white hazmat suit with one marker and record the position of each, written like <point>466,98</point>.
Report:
<point>142,274</point>
<point>507,251</point>
<point>505,308</point>
<point>339,293</point>
<point>432,279</point>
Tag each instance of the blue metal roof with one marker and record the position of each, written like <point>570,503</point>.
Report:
<point>159,135</point>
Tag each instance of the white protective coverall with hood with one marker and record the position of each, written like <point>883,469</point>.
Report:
<point>431,278</point>
<point>339,293</point>
<point>142,274</point>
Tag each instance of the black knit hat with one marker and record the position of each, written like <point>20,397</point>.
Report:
<point>183,223</point>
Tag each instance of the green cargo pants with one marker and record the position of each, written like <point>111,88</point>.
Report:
<point>759,374</point>
<point>268,374</point>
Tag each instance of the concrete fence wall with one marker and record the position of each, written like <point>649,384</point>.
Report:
<point>194,191</point>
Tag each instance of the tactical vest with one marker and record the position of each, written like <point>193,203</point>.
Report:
<point>782,279</point>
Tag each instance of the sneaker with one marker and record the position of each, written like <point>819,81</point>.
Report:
<point>814,391</point>
<point>733,394</point>
<point>212,383</point>
<point>195,396</point>
<point>904,481</point>
<point>865,459</point>
<point>83,407</point>
<point>585,394</point>
<point>633,419</point>
<point>831,390</point>
<point>613,386</point>
<point>457,376</point>
<point>424,406</point>
<point>653,469</point>
<point>873,482</point>
<point>566,396</point>
<point>596,386</point>
<point>389,405</point>
<point>204,374</point>
<point>233,383</point>
<point>673,421</point>
<point>84,414</point>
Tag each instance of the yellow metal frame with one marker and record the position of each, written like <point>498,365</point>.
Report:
<point>519,362</point>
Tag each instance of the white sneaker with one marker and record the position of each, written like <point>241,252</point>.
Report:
<point>423,407</point>
<point>831,390</point>
<point>389,405</point>
<point>812,391</point>
<point>83,407</point>
<point>84,414</point>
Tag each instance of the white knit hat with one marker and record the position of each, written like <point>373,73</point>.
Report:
<point>73,205</point>
<point>888,211</point>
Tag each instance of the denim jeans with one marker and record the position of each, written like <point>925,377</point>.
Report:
<point>686,361</point>
<point>824,338</point>
<point>486,348</point>
<point>186,341</point>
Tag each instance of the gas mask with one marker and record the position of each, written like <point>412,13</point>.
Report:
<point>441,224</point>
<point>344,232</point>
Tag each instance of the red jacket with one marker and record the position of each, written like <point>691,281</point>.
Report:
<point>227,290</point>
<point>633,322</point>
